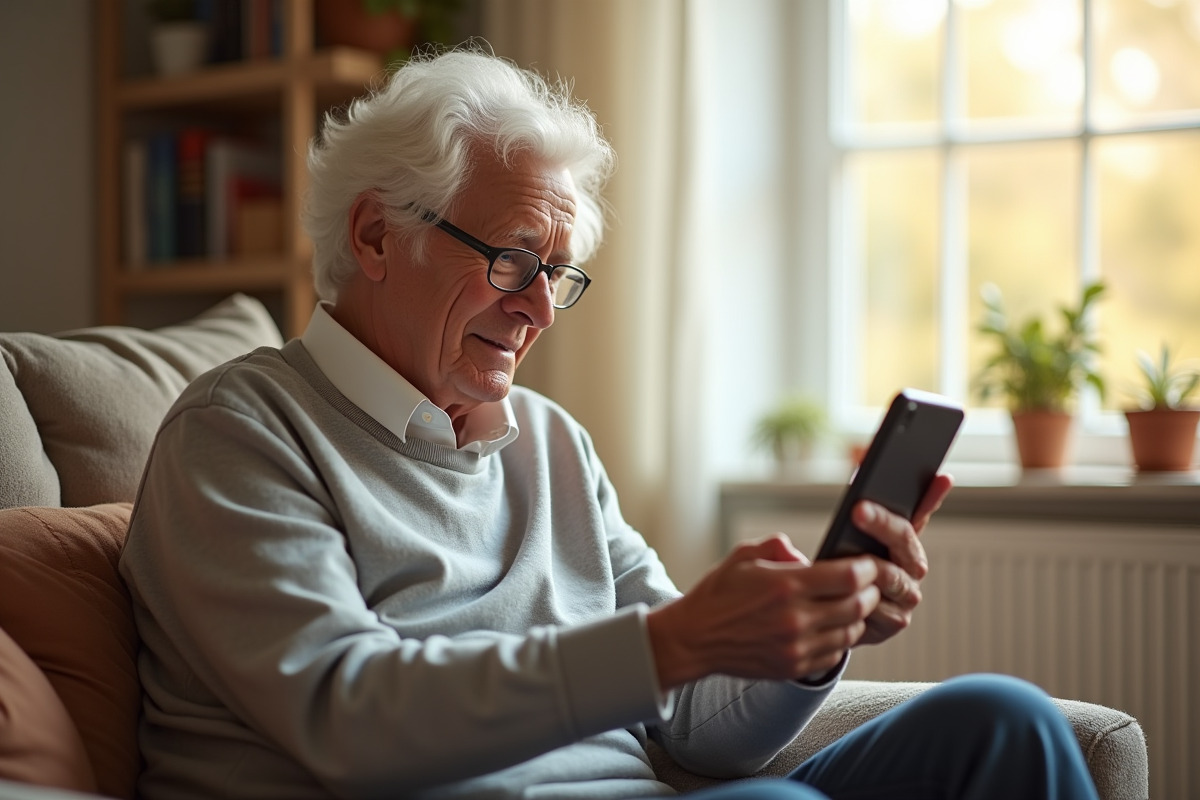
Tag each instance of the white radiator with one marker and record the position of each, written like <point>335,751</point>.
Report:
<point>1107,614</point>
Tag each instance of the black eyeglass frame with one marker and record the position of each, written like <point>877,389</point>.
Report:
<point>493,253</point>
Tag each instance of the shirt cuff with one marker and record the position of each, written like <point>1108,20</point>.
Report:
<point>822,681</point>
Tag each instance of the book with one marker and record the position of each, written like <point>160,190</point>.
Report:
<point>161,167</point>
<point>256,28</point>
<point>134,208</point>
<point>235,169</point>
<point>258,225</point>
<point>191,237</point>
<point>225,30</point>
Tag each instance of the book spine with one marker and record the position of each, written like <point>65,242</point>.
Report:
<point>134,211</point>
<point>160,197</point>
<point>226,30</point>
<point>190,210</point>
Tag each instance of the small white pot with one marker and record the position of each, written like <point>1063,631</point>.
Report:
<point>178,47</point>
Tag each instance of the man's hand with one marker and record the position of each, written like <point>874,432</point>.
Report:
<point>765,612</point>
<point>899,580</point>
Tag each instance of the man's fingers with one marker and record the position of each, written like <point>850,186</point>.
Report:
<point>896,534</point>
<point>837,578</point>
<point>932,501</point>
<point>776,547</point>
<point>896,586</point>
<point>847,611</point>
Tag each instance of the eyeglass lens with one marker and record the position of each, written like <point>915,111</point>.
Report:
<point>513,270</point>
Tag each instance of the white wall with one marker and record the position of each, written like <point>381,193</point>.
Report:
<point>47,164</point>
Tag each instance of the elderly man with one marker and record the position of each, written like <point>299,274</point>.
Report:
<point>367,565</point>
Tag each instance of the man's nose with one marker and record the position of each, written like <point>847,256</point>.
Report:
<point>535,302</point>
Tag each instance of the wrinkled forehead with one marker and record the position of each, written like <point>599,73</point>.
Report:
<point>525,186</point>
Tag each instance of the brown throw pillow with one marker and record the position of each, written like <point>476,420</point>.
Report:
<point>39,743</point>
<point>96,396</point>
<point>66,607</point>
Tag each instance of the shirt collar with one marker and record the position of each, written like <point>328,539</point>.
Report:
<point>371,384</point>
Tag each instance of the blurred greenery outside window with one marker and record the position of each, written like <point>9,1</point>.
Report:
<point>1034,144</point>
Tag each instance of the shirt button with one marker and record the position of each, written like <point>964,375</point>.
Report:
<point>427,416</point>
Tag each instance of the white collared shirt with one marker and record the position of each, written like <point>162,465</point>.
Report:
<point>371,384</point>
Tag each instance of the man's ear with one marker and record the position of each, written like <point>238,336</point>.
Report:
<point>367,229</point>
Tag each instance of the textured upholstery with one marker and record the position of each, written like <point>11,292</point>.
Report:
<point>79,409</point>
<point>39,742</point>
<point>66,606</point>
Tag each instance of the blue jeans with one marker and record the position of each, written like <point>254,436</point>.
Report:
<point>971,738</point>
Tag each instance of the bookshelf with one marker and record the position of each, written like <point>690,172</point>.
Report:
<point>282,95</point>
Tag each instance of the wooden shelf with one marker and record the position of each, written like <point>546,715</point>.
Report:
<point>334,72</point>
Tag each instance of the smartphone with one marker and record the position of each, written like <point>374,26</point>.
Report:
<point>900,463</point>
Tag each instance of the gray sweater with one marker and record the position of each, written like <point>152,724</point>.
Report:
<point>326,610</point>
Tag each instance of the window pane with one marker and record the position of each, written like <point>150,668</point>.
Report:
<point>1023,59</point>
<point>1147,58</point>
<point>894,59</point>
<point>1149,252</point>
<point>897,196</point>
<point>1023,222</point>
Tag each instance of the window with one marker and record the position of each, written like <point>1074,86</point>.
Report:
<point>1033,144</point>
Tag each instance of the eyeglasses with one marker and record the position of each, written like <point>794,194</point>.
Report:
<point>511,269</point>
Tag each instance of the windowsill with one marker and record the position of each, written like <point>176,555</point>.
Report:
<point>999,491</point>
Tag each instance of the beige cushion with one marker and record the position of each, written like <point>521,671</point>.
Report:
<point>38,741</point>
<point>95,397</point>
<point>64,603</point>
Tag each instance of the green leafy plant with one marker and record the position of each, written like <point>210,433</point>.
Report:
<point>1030,367</point>
<point>1165,386</point>
<point>791,426</point>
<point>435,18</point>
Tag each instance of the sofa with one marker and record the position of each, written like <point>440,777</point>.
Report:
<point>78,412</point>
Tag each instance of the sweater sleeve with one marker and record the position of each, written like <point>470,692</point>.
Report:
<point>726,727</point>
<point>249,608</point>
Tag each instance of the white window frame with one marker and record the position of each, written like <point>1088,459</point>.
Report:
<point>830,300</point>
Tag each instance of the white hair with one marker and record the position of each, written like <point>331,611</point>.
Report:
<point>411,140</point>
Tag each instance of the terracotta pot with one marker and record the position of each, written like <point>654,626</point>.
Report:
<point>1163,439</point>
<point>347,22</point>
<point>1042,437</point>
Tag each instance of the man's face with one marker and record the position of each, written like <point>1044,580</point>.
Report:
<point>449,332</point>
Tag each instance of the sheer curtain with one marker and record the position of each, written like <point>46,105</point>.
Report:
<point>681,341</point>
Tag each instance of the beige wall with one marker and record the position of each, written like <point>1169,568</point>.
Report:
<point>46,165</point>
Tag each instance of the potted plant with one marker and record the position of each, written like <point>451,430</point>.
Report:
<point>178,39</point>
<point>790,429</point>
<point>1039,373</point>
<point>388,27</point>
<point>1162,432</point>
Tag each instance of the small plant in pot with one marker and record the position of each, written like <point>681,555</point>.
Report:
<point>1162,432</point>
<point>790,429</point>
<point>391,28</point>
<point>1039,373</point>
<point>178,40</point>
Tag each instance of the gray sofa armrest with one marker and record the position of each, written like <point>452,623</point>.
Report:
<point>1113,743</point>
